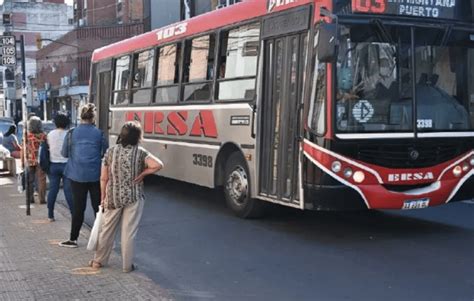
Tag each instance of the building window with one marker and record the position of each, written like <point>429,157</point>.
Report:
<point>142,76</point>
<point>198,68</point>
<point>122,79</point>
<point>167,74</point>
<point>238,63</point>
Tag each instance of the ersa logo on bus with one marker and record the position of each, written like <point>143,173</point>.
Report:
<point>272,4</point>
<point>176,123</point>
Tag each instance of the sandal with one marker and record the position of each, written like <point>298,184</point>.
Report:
<point>94,264</point>
<point>132,268</point>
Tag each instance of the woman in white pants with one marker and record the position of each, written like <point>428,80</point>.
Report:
<point>124,167</point>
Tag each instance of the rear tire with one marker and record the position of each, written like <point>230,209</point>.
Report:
<point>237,189</point>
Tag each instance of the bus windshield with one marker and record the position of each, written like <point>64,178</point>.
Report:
<point>376,79</point>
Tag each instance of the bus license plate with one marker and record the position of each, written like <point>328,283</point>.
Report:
<point>416,204</point>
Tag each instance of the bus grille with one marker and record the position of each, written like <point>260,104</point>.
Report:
<point>408,156</point>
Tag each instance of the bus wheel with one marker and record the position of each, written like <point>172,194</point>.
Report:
<point>237,189</point>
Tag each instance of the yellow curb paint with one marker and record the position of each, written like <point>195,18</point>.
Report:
<point>54,241</point>
<point>85,271</point>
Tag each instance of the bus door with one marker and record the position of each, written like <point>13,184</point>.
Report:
<point>104,87</point>
<point>282,93</point>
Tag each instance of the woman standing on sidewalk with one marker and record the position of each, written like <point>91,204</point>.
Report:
<point>35,137</point>
<point>57,165</point>
<point>124,167</point>
<point>84,147</point>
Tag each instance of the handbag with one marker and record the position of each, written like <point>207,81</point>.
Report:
<point>94,238</point>
<point>44,155</point>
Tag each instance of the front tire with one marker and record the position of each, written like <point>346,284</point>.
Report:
<point>237,189</point>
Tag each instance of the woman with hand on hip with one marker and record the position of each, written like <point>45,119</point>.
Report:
<point>124,167</point>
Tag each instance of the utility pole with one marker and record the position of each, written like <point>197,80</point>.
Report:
<point>25,124</point>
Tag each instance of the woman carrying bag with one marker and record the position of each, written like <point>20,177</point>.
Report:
<point>124,167</point>
<point>84,147</point>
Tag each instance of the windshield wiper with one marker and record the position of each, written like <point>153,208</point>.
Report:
<point>382,30</point>
<point>447,34</point>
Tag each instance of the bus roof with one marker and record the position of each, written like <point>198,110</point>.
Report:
<point>246,10</point>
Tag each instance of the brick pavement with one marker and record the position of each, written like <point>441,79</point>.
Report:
<point>33,267</point>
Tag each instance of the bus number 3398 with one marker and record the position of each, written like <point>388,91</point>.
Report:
<point>202,160</point>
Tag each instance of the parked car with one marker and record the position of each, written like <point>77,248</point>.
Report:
<point>48,126</point>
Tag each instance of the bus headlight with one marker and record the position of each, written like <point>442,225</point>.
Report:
<point>336,166</point>
<point>359,177</point>
<point>465,166</point>
<point>348,172</point>
<point>457,171</point>
<point>472,161</point>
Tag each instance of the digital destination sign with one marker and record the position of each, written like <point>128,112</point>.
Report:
<point>444,9</point>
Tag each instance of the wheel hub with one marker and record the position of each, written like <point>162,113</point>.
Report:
<point>237,185</point>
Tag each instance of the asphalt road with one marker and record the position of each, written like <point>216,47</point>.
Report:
<point>193,246</point>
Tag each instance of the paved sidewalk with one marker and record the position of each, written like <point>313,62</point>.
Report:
<point>33,267</point>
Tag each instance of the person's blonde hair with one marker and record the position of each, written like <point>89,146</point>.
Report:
<point>88,112</point>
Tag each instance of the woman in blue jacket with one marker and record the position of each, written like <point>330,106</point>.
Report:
<point>84,146</point>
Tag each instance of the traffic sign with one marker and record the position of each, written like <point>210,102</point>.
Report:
<point>7,51</point>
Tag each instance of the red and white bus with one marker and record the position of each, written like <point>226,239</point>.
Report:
<point>305,103</point>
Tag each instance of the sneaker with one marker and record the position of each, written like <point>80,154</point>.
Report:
<point>51,219</point>
<point>68,244</point>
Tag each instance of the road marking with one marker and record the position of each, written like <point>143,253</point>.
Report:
<point>471,202</point>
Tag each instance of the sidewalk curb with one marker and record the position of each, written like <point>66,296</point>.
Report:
<point>34,267</point>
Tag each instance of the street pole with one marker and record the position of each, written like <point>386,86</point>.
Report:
<point>25,123</point>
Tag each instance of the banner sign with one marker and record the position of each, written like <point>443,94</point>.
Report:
<point>7,51</point>
<point>444,9</point>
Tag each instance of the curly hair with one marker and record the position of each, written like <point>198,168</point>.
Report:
<point>88,112</point>
<point>35,125</point>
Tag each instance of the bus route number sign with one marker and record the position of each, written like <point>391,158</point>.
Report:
<point>421,8</point>
<point>7,51</point>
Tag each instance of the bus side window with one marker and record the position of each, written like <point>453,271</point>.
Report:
<point>121,80</point>
<point>199,68</point>
<point>142,76</point>
<point>238,55</point>
<point>94,79</point>
<point>167,74</point>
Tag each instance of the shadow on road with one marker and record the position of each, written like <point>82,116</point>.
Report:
<point>347,225</point>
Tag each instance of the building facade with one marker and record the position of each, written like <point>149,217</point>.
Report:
<point>34,20</point>
<point>64,66</point>
<point>107,12</point>
<point>159,13</point>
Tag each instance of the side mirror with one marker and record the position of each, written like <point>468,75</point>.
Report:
<point>327,37</point>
